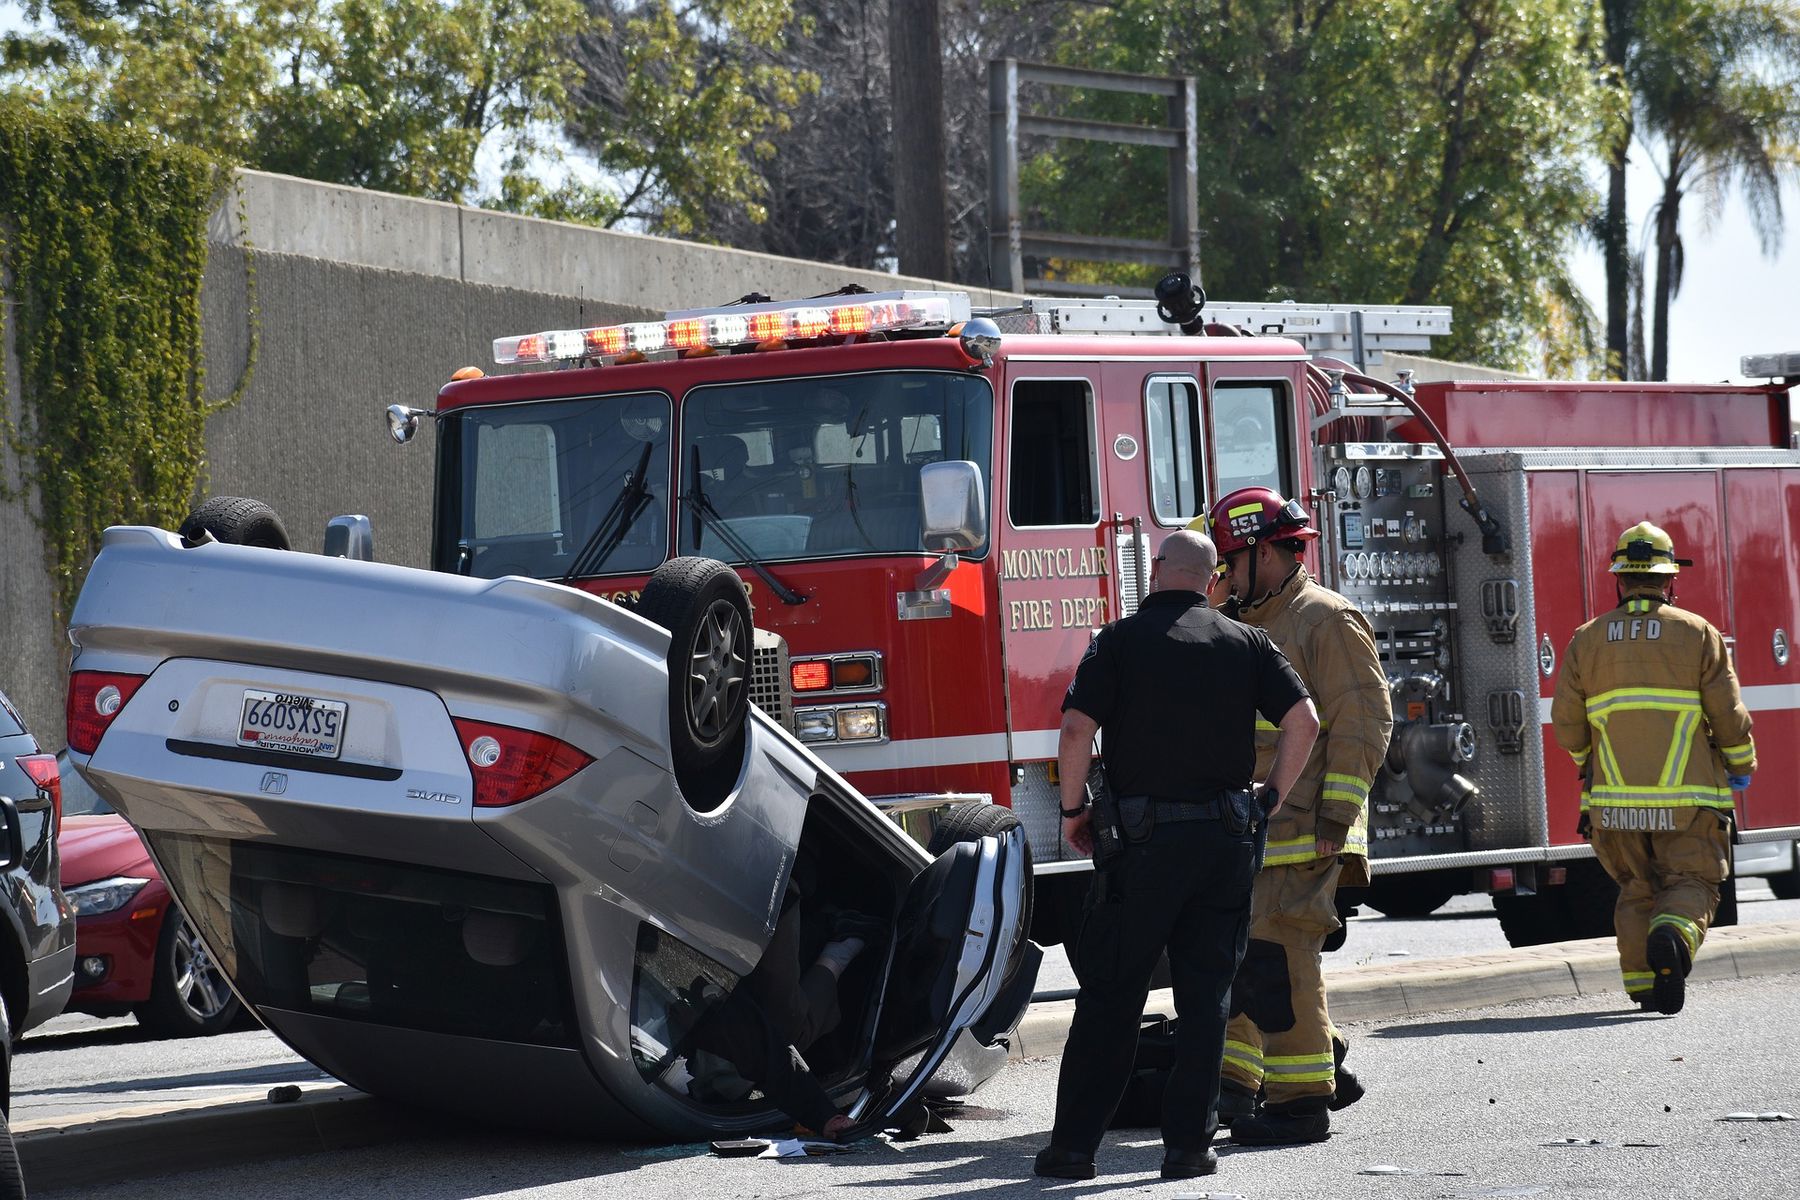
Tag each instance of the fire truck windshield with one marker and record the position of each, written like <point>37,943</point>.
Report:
<point>828,465</point>
<point>522,488</point>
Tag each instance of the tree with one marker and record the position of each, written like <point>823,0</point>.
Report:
<point>1618,39</point>
<point>1368,150</point>
<point>1716,93</point>
<point>401,95</point>
<point>677,103</point>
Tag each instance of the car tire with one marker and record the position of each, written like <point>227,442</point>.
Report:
<point>12,1178</point>
<point>189,997</point>
<point>238,520</point>
<point>971,823</point>
<point>6,1052</point>
<point>701,602</point>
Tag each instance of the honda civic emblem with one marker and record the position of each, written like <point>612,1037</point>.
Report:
<point>274,782</point>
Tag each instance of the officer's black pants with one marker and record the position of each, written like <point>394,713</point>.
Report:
<point>1187,889</point>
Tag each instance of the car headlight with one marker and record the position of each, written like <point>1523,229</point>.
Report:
<point>104,895</point>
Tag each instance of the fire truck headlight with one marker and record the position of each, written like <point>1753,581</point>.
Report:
<point>859,724</point>
<point>815,725</point>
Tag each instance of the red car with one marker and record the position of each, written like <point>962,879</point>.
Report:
<point>134,948</point>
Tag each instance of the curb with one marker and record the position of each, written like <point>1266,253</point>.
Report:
<point>1392,990</point>
<point>150,1140</point>
<point>143,1142</point>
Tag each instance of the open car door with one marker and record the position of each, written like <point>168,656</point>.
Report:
<point>961,961</point>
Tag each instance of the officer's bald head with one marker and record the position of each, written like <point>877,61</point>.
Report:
<point>1186,561</point>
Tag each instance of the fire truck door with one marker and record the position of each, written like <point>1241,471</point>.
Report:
<point>1763,515</point>
<point>1052,541</point>
<point>1690,505</point>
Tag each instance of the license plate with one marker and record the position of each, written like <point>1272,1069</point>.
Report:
<point>292,723</point>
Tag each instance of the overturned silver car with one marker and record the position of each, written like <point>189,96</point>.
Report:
<point>473,844</point>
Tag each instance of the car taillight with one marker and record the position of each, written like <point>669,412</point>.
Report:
<point>513,765</point>
<point>95,698</point>
<point>43,771</point>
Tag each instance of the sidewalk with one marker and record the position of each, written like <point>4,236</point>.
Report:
<point>148,1140</point>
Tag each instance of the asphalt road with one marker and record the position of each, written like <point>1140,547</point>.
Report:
<point>76,1065</point>
<point>1466,925</point>
<point>1475,1104</point>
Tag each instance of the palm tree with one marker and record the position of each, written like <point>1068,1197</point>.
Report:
<point>1715,87</point>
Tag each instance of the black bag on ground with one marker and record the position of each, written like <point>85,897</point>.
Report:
<point>1142,1104</point>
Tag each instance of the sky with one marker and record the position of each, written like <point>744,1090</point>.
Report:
<point>1733,300</point>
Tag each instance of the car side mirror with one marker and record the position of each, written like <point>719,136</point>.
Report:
<point>952,507</point>
<point>12,838</point>
<point>350,537</point>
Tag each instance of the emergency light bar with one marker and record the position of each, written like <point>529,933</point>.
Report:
<point>712,329</point>
<point>1771,366</point>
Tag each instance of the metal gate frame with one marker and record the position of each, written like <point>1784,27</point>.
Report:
<point>1009,240</point>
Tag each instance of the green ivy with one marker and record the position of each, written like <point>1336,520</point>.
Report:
<point>103,239</point>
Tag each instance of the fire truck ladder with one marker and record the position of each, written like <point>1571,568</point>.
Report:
<point>1359,332</point>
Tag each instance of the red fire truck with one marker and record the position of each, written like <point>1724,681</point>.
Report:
<point>933,508</point>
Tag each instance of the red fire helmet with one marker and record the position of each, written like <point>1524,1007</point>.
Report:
<point>1256,514</point>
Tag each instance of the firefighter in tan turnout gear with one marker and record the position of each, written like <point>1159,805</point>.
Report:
<point>1280,1038</point>
<point>1647,703</point>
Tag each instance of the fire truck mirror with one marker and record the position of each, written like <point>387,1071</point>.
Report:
<point>952,507</point>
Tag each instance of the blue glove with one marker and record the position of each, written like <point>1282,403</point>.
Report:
<point>1738,782</point>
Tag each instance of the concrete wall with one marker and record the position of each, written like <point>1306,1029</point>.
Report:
<point>367,300</point>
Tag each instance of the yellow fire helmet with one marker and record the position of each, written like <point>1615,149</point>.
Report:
<point>1645,549</point>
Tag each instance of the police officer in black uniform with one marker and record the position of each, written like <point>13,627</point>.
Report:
<point>1177,688</point>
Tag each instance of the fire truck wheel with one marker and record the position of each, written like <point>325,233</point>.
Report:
<point>1786,884</point>
<point>1415,895</point>
<point>971,823</point>
<point>1589,898</point>
<point>239,520</point>
<point>701,602</point>
<point>1529,920</point>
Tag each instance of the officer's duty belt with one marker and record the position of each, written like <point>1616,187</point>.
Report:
<point>1169,810</point>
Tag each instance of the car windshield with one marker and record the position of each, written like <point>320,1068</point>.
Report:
<point>829,465</point>
<point>523,487</point>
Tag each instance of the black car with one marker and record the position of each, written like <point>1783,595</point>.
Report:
<point>37,924</point>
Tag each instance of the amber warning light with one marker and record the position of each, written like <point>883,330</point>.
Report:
<point>706,330</point>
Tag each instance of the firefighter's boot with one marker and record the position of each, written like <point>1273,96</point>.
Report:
<point>1235,1102</point>
<point>1669,962</point>
<point>1349,1088</point>
<point>1291,1124</point>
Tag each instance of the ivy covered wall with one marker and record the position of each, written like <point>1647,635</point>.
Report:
<point>103,239</point>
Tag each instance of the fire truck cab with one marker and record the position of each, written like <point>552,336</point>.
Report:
<point>934,508</point>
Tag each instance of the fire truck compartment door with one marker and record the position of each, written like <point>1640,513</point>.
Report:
<point>1689,506</point>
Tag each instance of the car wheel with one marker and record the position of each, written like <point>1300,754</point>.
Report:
<point>190,997</point>
<point>6,1048</point>
<point>12,1179</point>
<point>239,520</point>
<point>971,823</point>
<point>701,602</point>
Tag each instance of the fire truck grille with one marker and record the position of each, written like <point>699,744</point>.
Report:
<point>769,678</point>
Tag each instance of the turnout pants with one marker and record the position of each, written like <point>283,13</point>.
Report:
<point>1187,889</point>
<point>1666,876</point>
<point>1279,1038</point>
